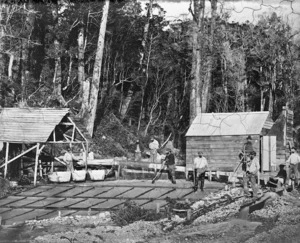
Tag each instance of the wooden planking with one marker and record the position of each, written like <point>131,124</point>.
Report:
<point>135,192</point>
<point>95,191</point>
<point>16,212</point>
<point>111,203</point>
<point>53,191</point>
<point>156,193</point>
<point>88,203</point>
<point>66,203</point>
<point>220,151</point>
<point>116,191</point>
<point>46,202</point>
<point>28,216</point>
<point>73,192</point>
<point>34,191</point>
<point>28,200</point>
<point>6,201</point>
<point>236,138</point>
<point>2,210</point>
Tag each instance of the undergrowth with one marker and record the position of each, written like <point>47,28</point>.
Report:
<point>131,212</point>
<point>5,188</point>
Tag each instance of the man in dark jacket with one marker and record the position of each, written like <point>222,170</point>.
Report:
<point>170,163</point>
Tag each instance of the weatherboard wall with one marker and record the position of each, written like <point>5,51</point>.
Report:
<point>221,152</point>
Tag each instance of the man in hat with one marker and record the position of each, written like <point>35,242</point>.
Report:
<point>200,167</point>
<point>280,179</point>
<point>169,163</point>
<point>252,168</point>
<point>153,146</point>
<point>244,154</point>
<point>292,166</point>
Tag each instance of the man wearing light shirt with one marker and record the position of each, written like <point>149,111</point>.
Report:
<point>252,168</point>
<point>292,165</point>
<point>153,146</point>
<point>200,167</point>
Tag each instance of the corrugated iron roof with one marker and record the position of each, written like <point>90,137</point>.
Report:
<point>228,124</point>
<point>29,125</point>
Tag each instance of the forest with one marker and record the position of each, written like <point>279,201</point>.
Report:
<point>130,75</point>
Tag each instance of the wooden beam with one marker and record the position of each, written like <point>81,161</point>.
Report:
<point>62,142</point>
<point>66,137</point>
<point>22,161</point>
<point>77,129</point>
<point>73,132</point>
<point>40,150</point>
<point>6,160</point>
<point>54,135</point>
<point>86,155</point>
<point>36,163</point>
<point>66,123</point>
<point>19,155</point>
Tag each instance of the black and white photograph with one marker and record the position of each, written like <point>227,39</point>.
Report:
<point>145,121</point>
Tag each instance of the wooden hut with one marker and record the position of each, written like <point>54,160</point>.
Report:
<point>35,128</point>
<point>221,136</point>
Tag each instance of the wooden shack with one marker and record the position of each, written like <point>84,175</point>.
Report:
<point>221,136</point>
<point>33,129</point>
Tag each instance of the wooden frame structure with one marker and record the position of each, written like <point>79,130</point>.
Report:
<point>22,120</point>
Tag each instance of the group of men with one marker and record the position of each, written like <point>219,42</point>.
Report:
<point>248,159</point>
<point>200,164</point>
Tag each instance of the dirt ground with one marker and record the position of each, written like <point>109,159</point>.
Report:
<point>279,221</point>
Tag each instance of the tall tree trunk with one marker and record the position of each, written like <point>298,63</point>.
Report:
<point>25,72</point>
<point>196,79</point>
<point>84,83</point>
<point>81,49</point>
<point>208,76</point>
<point>57,78</point>
<point>91,115</point>
<point>2,55</point>
<point>272,89</point>
<point>225,84</point>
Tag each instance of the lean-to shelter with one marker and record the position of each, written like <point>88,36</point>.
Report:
<point>35,128</point>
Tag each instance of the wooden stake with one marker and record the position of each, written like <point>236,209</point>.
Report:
<point>157,207</point>
<point>22,162</point>
<point>6,159</point>
<point>86,155</point>
<point>188,215</point>
<point>36,163</point>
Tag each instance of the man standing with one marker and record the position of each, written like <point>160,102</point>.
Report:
<point>292,165</point>
<point>200,167</point>
<point>68,159</point>
<point>252,168</point>
<point>169,163</point>
<point>244,155</point>
<point>153,146</point>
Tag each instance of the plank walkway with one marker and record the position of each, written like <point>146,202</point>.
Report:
<point>45,201</point>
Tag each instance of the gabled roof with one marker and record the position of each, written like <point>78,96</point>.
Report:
<point>229,124</point>
<point>29,125</point>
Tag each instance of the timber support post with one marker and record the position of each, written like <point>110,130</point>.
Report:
<point>36,163</point>
<point>6,159</point>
